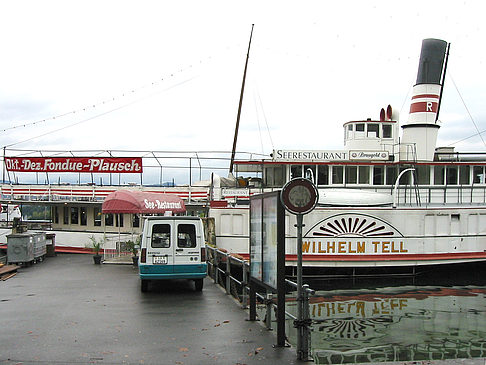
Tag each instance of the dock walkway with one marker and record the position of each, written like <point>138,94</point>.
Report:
<point>68,310</point>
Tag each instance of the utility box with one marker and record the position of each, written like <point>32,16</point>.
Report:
<point>20,248</point>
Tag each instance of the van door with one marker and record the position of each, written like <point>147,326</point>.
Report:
<point>160,247</point>
<point>187,251</point>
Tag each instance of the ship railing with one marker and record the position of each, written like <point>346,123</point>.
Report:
<point>233,273</point>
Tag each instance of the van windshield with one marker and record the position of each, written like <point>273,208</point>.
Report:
<point>186,236</point>
<point>161,236</point>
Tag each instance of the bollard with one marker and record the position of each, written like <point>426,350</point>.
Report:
<point>306,323</point>
<point>244,295</point>
<point>269,307</point>
<point>228,274</point>
<point>215,266</point>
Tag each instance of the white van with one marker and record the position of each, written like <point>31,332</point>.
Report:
<point>172,248</point>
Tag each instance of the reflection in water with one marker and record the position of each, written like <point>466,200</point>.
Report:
<point>407,323</point>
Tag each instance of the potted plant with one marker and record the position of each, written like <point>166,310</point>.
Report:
<point>133,248</point>
<point>96,246</point>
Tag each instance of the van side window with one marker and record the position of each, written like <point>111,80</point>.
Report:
<point>186,236</point>
<point>161,236</point>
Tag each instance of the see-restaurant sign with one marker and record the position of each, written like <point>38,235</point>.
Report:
<point>75,164</point>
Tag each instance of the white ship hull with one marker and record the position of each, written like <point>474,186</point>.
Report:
<point>370,237</point>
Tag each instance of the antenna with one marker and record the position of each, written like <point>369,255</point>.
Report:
<point>233,151</point>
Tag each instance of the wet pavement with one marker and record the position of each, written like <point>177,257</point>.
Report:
<point>67,310</point>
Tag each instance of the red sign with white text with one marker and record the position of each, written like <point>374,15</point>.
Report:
<point>75,164</point>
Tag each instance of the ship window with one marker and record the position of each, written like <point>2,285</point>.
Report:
<point>350,127</point>
<point>364,174</point>
<point>337,174</point>
<point>422,173</point>
<point>274,175</point>
<point>439,175</point>
<point>373,130</point>
<point>295,171</point>
<point>406,178</point>
<point>387,131</point>
<point>351,174</point>
<point>74,215</point>
<point>378,172</point>
<point>83,216</point>
<point>478,175</point>
<point>323,175</point>
<point>360,127</point>
<point>464,175</point>
<point>310,172</point>
<point>451,175</point>
<point>65,215</point>
<point>97,217</point>
<point>391,175</point>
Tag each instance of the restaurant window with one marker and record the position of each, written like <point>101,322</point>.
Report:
<point>351,174</point>
<point>337,174</point>
<point>364,174</point>
<point>135,220</point>
<point>439,175</point>
<point>295,171</point>
<point>323,175</point>
<point>378,175</point>
<point>119,220</point>
<point>83,215</point>
<point>97,217</point>
<point>478,175</point>
<point>374,130</point>
<point>65,215</point>
<point>74,215</point>
<point>56,214</point>
<point>451,175</point>
<point>464,177</point>
<point>387,130</point>
<point>109,219</point>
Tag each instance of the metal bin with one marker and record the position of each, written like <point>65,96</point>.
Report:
<point>39,245</point>
<point>20,248</point>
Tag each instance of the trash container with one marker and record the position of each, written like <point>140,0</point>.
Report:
<point>51,244</point>
<point>20,248</point>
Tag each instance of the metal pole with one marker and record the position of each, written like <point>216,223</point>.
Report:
<point>300,354</point>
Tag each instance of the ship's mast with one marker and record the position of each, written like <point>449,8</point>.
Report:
<point>233,151</point>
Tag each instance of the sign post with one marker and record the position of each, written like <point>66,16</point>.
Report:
<point>299,196</point>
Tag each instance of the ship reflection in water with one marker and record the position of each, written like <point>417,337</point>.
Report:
<point>404,323</point>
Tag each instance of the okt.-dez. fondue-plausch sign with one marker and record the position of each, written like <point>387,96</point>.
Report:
<point>75,164</point>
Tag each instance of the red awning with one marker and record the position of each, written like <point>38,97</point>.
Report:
<point>125,201</point>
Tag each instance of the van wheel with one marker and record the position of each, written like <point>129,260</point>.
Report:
<point>199,284</point>
<point>145,284</point>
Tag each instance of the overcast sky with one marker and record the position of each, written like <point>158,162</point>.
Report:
<point>166,75</point>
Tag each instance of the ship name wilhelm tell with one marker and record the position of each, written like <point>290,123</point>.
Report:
<point>311,246</point>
